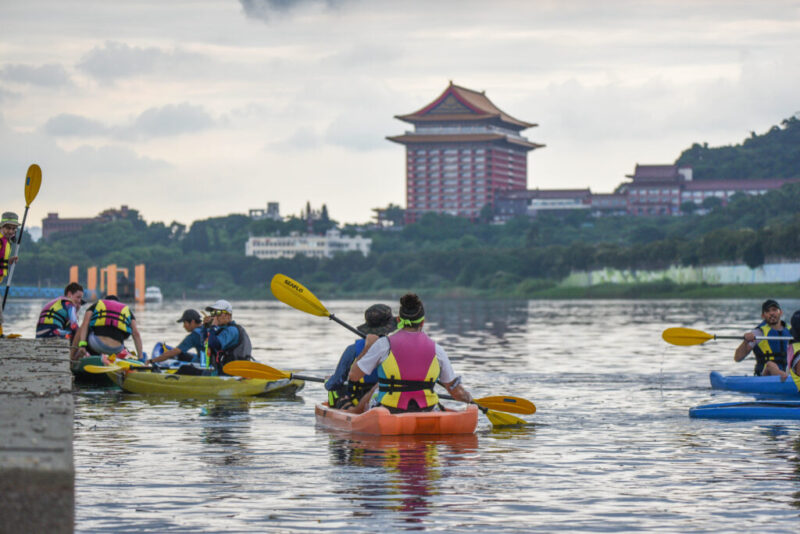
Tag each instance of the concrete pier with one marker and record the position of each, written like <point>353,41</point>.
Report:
<point>37,474</point>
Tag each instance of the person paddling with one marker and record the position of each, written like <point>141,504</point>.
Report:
<point>106,325</point>
<point>193,324</point>
<point>770,354</point>
<point>226,341</point>
<point>343,394</point>
<point>59,317</point>
<point>8,230</point>
<point>409,365</point>
<point>793,352</point>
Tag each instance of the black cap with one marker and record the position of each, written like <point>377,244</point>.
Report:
<point>190,315</point>
<point>769,303</point>
<point>380,320</point>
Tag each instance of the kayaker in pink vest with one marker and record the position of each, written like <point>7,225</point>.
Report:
<point>409,365</point>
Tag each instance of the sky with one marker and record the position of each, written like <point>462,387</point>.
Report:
<point>189,109</point>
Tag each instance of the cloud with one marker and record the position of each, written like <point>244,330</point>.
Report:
<point>68,125</point>
<point>49,75</point>
<point>166,121</point>
<point>116,60</point>
<point>265,9</point>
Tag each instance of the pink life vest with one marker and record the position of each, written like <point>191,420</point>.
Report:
<point>409,372</point>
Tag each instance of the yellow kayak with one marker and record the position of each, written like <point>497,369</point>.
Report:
<point>147,383</point>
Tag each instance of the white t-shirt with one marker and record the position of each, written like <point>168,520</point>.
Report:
<point>379,351</point>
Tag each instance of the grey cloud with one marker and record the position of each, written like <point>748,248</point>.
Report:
<point>303,138</point>
<point>265,9</point>
<point>165,121</point>
<point>67,125</point>
<point>118,60</point>
<point>168,120</point>
<point>49,75</point>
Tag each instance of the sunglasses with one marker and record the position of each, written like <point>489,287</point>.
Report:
<point>214,313</point>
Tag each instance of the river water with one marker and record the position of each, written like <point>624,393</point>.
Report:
<point>611,447</point>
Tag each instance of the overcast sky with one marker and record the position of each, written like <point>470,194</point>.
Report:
<point>186,109</point>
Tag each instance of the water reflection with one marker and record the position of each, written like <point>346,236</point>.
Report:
<point>406,470</point>
<point>224,431</point>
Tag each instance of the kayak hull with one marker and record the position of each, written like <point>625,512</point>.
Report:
<point>147,383</point>
<point>85,378</point>
<point>380,422</point>
<point>764,385</point>
<point>748,410</point>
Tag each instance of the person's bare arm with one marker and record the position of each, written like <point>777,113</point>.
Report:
<point>137,339</point>
<point>744,347</point>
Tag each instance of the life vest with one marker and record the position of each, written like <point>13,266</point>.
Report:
<point>409,372</point>
<point>112,313</point>
<point>241,351</point>
<point>793,356</point>
<point>55,315</point>
<point>5,254</point>
<point>767,350</point>
<point>356,390</point>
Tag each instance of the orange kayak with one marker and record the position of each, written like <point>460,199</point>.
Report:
<point>381,422</point>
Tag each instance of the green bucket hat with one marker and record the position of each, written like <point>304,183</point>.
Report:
<point>9,217</point>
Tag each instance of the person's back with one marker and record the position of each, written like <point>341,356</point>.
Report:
<point>59,317</point>
<point>342,394</point>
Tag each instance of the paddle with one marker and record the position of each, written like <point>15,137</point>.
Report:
<point>100,369</point>
<point>33,181</point>
<point>249,369</point>
<point>689,336</point>
<point>299,297</point>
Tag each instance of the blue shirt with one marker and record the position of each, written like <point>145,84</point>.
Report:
<point>343,367</point>
<point>195,341</point>
<point>223,337</point>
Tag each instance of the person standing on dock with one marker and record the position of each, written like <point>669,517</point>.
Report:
<point>59,317</point>
<point>409,365</point>
<point>770,354</point>
<point>8,230</point>
<point>106,325</point>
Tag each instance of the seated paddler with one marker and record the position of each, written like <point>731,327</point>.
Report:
<point>770,351</point>
<point>343,394</point>
<point>106,325</point>
<point>59,317</point>
<point>195,339</point>
<point>409,365</point>
<point>226,341</point>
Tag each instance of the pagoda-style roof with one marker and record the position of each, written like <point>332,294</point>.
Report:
<point>415,139</point>
<point>458,103</point>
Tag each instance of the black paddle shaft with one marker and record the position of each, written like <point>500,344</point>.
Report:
<point>356,331</point>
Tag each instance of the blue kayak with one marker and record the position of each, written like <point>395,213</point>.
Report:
<point>764,385</point>
<point>748,410</point>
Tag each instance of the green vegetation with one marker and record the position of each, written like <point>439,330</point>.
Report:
<point>449,256</point>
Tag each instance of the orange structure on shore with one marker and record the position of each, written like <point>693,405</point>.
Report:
<point>110,283</point>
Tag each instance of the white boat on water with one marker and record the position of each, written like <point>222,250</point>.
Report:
<point>153,294</point>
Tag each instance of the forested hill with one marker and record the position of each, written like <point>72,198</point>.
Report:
<point>774,154</point>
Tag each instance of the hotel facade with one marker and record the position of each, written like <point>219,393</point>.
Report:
<point>462,151</point>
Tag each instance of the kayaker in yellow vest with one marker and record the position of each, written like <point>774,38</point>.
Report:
<point>8,230</point>
<point>343,394</point>
<point>59,317</point>
<point>770,353</point>
<point>106,325</point>
<point>793,353</point>
<point>409,365</point>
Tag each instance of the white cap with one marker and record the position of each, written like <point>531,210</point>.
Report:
<point>221,305</point>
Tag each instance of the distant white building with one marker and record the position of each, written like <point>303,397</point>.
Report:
<point>313,246</point>
<point>272,212</point>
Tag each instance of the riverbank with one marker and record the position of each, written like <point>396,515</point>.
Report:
<point>37,475</point>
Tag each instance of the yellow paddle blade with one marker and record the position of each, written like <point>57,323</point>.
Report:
<point>685,336</point>
<point>504,419</point>
<point>296,295</point>
<point>100,369</point>
<point>33,181</point>
<point>127,364</point>
<point>507,404</point>
<point>254,370</point>
<point>13,336</point>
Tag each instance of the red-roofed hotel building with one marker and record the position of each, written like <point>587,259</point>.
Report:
<point>463,149</point>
